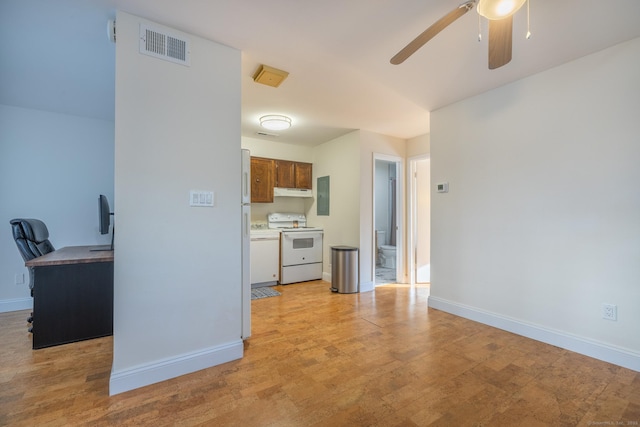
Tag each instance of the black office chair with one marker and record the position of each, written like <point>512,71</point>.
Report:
<point>32,238</point>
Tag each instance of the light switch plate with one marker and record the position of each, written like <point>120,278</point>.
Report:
<point>201,198</point>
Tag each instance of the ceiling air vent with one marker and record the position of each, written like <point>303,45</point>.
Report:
<point>266,134</point>
<point>163,45</point>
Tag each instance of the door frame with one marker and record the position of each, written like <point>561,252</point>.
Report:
<point>412,213</point>
<point>400,214</point>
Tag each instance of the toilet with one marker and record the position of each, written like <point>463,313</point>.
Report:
<point>386,253</point>
<point>388,256</point>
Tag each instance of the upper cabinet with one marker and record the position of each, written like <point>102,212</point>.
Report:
<point>293,174</point>
<point>262,180</point>
<point>285,174</point>
<point>303,175</point>
<point>269,173</point>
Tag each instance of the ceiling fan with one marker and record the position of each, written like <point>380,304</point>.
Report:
<point>500,16</point>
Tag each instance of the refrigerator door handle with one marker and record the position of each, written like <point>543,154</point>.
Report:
<point>245,184</point>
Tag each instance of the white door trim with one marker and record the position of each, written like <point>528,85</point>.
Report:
<point>401,276</point>
<point>412,214</point>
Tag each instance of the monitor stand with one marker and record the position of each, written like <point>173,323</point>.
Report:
<point>105,247</point>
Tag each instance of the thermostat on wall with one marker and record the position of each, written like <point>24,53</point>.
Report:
<point>442,187</point>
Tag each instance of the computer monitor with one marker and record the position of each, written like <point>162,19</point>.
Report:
<point>104,217</point>
<point>104,214</point>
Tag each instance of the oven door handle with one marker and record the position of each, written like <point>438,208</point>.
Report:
<point>254,238</point>
<point>301,234</point>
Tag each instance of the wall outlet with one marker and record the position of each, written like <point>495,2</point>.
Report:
<point>610,311</point>
<point>20,279</point>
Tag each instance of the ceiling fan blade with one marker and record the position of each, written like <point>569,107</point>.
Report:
<point>500,38</point>
<point>431,32</point>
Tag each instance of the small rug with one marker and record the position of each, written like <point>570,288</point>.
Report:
<point>265,292</point>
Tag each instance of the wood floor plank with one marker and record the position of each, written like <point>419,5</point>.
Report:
<point>315,358</point>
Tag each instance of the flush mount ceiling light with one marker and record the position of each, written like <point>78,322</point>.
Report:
<point>498,9</point>
<point>275,122</point>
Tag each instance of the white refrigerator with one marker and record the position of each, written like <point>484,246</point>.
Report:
<point>246,241</point>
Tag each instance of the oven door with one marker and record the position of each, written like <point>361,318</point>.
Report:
<point>301,247</point>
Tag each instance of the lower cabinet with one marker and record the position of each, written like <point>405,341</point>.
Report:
<point>265,261</point>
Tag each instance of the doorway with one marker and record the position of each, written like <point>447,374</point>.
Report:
<point>387,220</point>
<point>419,179</point>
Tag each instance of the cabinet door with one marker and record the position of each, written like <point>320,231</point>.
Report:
<point>262,180</point>
<point>285,174</point>
<point>265,261</point>
<point>303,175</point>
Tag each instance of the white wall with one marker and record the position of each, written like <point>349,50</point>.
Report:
<point>541,224</point>
<point>52,167</point>
<point>277,150</point>
<point>422,220</point>
<point>419,146</point>
<point>338,159</point>
<point>177,268</point>
<point>419,181</point>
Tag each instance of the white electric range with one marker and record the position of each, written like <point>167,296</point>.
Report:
<point>300,247</point>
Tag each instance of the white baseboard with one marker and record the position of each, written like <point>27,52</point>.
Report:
<point>16,304</point>
<point>596,349</point>
<point>364,286</point>
<point>367,286</point>
<point>151,373</point>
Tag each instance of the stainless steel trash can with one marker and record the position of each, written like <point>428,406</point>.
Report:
<point>344,270</point>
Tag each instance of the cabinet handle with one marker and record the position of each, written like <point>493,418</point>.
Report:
<point>257,179</point>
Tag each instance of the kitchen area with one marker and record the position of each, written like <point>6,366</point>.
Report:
<point>284,248</point>
<point>342,167</point>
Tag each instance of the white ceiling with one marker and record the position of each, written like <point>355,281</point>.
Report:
<point>55,55</point>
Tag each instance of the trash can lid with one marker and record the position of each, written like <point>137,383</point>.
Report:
<point>344,248</point>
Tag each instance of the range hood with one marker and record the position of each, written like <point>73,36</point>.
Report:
<point>292,192</point>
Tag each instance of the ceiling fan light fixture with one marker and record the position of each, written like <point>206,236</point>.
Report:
<point>275,122</point>
<point>498,9</point>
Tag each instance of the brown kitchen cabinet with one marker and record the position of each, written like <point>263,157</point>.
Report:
<point>262,180</point>
<point>269,173</point>
<point>293,174</point>
<point>303,175</point>
<point>285,174</point>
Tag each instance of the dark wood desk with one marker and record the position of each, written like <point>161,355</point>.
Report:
<point>72,295</point>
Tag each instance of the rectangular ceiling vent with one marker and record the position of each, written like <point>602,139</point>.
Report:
<point>261,133</point>
<point>163,45</point>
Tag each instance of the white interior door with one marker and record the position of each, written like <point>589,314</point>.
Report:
<point>419,178</point>
<point>423,221</point>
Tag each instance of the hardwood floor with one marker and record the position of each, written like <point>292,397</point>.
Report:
<point>315,358</point>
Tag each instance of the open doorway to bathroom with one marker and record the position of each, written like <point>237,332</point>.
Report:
<point>387,219</point>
